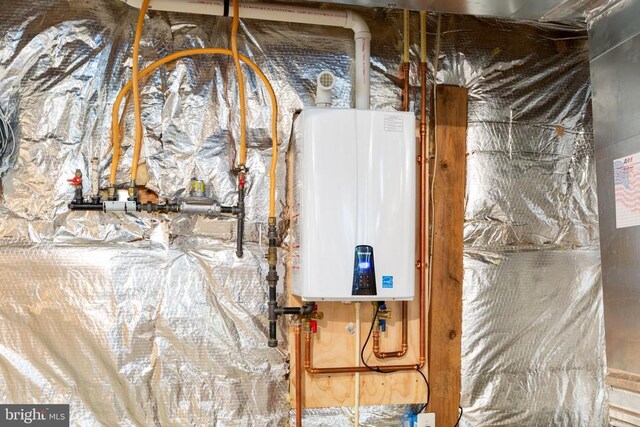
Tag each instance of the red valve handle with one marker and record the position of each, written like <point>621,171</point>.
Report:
<point>314,326</point>
<point>76,180</point>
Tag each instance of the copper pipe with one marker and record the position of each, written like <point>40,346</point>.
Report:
<point>348,369</point>
<point>405,89</point>
<point>420,264</point>
<point>298,377</point>
<point>424,164</point>
<point>423,102</point>
<point>376,342</point>
<point>405,328</point>
<point>404,346</point>
<point>406,68</point>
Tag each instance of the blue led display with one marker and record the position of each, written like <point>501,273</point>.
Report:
<point>364,272</point>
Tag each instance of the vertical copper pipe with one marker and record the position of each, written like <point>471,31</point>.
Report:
<point>423,104</point>
<point>298,377</point>
<point>307,351</point>
<point>376,343</point>
<point>405,89</point>
<point>424,164</point>
<point>405,327</point>
<point>406,68</point>
<point>420,264</point>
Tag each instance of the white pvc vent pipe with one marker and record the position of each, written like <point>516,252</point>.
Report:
<point>325,83</point>
<point>293,14</point>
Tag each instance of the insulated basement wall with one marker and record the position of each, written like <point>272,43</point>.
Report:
<point>614,37</point>
<point>140,320</point>
<point>532,340</point>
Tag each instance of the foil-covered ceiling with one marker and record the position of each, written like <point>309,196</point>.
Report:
<point>536,10</point>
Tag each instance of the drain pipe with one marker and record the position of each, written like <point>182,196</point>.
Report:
<point>294,14</point>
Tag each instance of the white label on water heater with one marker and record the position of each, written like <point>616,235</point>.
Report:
<point>393,123</point>
<point>626,178</point>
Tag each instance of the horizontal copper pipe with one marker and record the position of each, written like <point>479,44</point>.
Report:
<point>349,369</point>
<point>354,369</point>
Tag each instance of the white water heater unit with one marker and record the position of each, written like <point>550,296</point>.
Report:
<point>354,212</point>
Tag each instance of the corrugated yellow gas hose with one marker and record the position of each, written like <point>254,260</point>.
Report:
<point>136,91</point>
<point>242,158</point>
<point>116,125</point>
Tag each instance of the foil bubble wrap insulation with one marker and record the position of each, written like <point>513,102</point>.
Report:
<point>140,319</point>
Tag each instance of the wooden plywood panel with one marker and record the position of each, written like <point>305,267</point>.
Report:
<point>445,320</point>
<point>334,345</point>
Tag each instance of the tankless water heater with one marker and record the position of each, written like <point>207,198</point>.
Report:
<point>354,209</point>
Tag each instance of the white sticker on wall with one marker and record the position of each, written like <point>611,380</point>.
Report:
<point>626,177</point>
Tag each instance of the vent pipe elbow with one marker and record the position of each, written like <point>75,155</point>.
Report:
<point>325,84</point>
<point>358,25</point>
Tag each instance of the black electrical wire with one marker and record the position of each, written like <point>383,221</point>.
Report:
<point>373,322</point>
<point>459,417</point>
<point>377,368</point>
<point>428,391</point>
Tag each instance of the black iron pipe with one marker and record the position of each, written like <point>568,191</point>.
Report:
<point>78,199</point>
<point>160,208</point>
<point>240,223</point>
<point>85,207</point>
<point>97,205</point>
<point>272,280</point>
<point>302,311</point>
